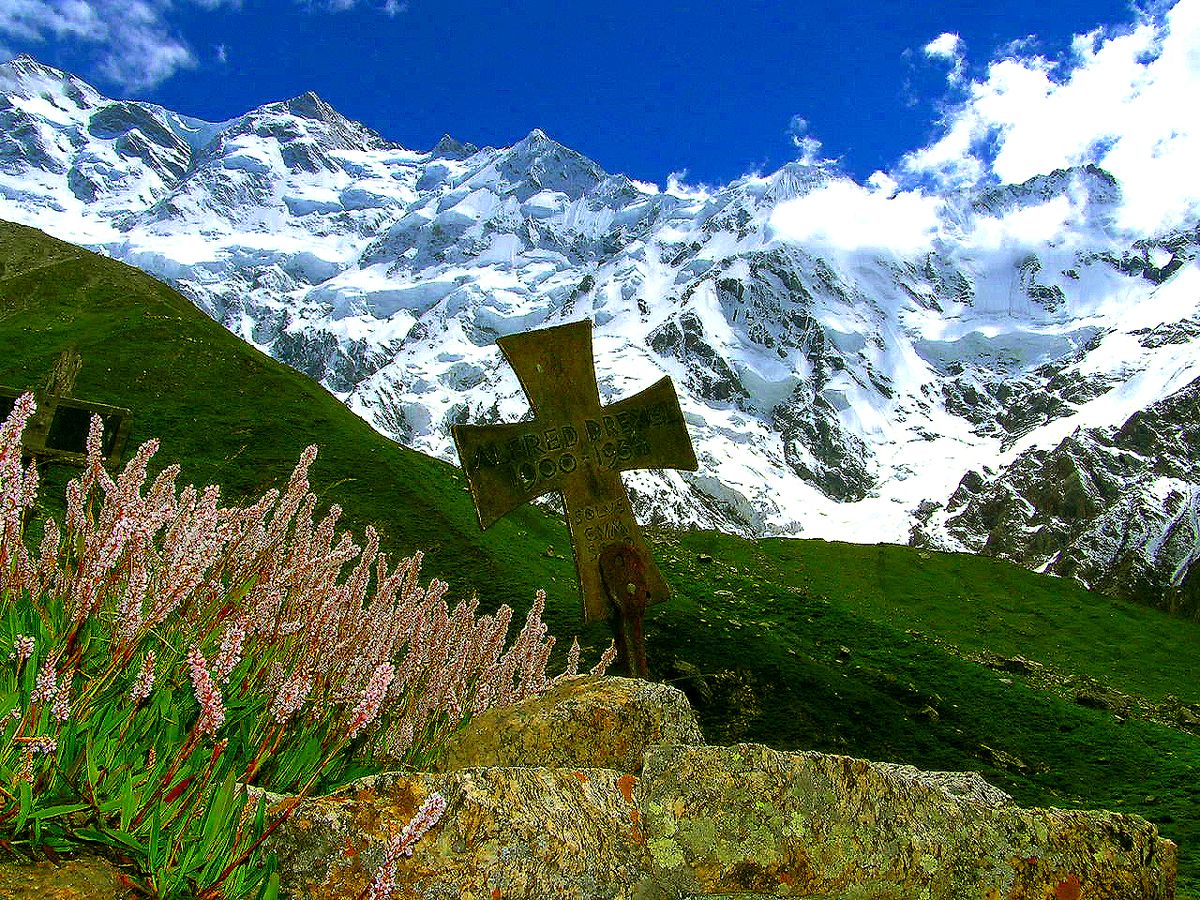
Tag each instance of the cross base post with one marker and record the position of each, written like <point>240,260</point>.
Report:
<point>623,573</point>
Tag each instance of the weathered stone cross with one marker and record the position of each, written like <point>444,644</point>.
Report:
<point>576,446</point>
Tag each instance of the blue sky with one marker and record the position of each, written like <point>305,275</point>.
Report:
<point>714,90</point>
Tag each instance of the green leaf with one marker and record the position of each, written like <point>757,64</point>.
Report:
<point>24,804</point>
<point>155,847</point>
<point>93,771</point>
<point>127,841</point>
<point>95,835</point>
<point>216,817</point>
<point>128,801</point>
<point>64,809</point>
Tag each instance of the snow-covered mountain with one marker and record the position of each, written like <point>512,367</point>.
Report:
<point>1021,381</point>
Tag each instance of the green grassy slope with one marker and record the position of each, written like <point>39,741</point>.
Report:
<point>870,651</point>
<point>233,416</point>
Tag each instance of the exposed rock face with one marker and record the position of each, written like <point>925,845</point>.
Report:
<point>744,821</point>
<point>714,821</point>
<point>1115,508</point>
<point>581,723</point>
<point>84,878</point>
<point>731,820</point>
<point>508,832</point>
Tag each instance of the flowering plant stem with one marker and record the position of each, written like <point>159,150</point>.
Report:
<point>168,651</point>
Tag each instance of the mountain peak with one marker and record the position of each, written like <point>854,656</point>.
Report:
<point>19,75</point>
<point>310,106</point>
<point>25,64</point>
<point>538,141</point>
<point>452,148</point>
<point>540,162</point>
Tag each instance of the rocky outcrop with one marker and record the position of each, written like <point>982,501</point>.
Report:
<point>698,821</point>
<point>702,821</point>
<point>748,819</point>
<point>508,832</point>
<point>1114,508</point>
<point>582,722</point>
<point>84,878</point>
<point>713,821</point>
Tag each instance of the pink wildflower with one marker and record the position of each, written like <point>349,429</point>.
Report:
<point>144,682</point>
<point>212,708</point>
<point>372,698</point>
<point>572,660</point>
<point>384,883</point>
<point>46,686</point>
<point>230,653</point>
<point>291,697</point>
<point>61,710</point>
<point>43,745</point>
<point>606,660</point>
<point>23,647</point>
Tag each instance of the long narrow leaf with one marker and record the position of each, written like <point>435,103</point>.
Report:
<point>63,809</point>
<point>128,801</point>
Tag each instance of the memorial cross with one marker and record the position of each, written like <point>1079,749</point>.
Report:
<point>578,447</point>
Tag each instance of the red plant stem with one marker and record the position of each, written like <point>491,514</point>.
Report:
<point>212,892</point>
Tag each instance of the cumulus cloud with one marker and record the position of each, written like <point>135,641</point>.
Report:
<point>808,145</point>
<point>135,44</point>
<point>948,46</point>
<point>1047,223</point>
<point>1123,101</point>
<point>676,187</point>
<point>847,216</point>
<point>805,142</point>
<point>387,7</point>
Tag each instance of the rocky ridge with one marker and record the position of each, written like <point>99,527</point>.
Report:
<point>694,821</point>
<point>1029,397</point>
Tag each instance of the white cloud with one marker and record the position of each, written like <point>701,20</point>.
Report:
<point>808,145</point>
<point>848,216</point>
<point>389,8</point>
<point>1123,101</point>
<point>136,44</point>
<point>948,46</point>
<point>1034,226</point>
<point>32,20</point>
<point>136,47</point>
<point>677,188</point>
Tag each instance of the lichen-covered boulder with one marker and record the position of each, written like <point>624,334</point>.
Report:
<point>82,878</point>
<point>507,832</point>
<point>581,722</point>
<point>748,819</point>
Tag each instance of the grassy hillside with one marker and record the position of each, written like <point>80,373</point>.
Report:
<point>944,661</point>
<point>232,416</point>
